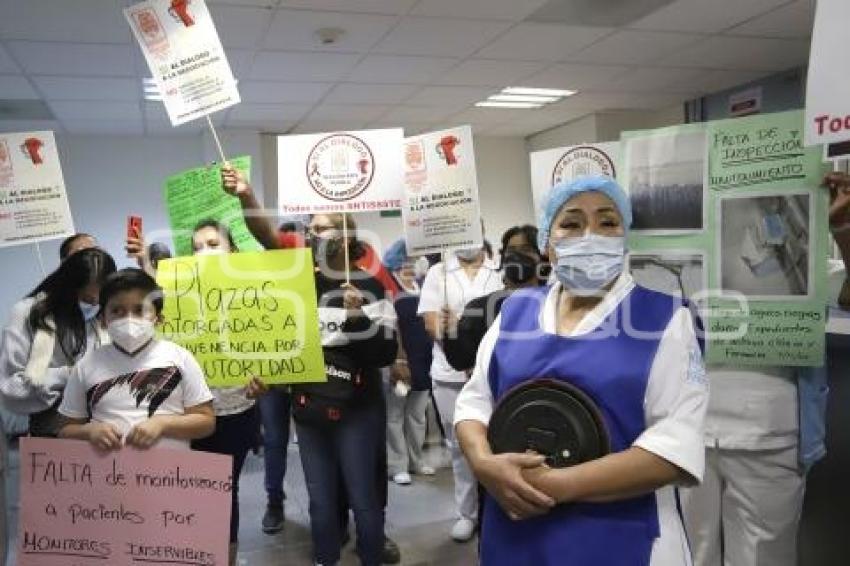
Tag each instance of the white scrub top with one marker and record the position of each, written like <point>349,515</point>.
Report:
<point>674,406</point>
<point>457,292</point>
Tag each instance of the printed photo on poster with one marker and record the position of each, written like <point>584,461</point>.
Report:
<point>667,181</point>
<point>674,272</point>
<point>764,245</point>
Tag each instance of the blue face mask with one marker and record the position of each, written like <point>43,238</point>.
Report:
<point>585,265</point>
<point>89,310</point>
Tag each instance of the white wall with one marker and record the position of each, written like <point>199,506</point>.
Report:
<point>581,130</point>
<point>504,184</point>
<point>604,126</point>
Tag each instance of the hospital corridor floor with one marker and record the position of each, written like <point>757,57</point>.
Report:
<point>419,518</point>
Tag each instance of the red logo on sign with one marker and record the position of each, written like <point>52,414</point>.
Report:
<point>179,10</point>
<point>446,149</point>
<point>32,148</point>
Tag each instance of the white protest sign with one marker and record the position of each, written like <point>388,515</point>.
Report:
<point>185,56</point>
<point>33,201</point>
<point>441,209</point>
<point>828,87</point>
<point>551,166</point>
<point>359,171</point>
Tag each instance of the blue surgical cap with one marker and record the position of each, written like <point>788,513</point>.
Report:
<point>395,255</point>
<point>565,190</point>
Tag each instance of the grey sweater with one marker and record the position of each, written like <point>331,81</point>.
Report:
<point>19,394</point>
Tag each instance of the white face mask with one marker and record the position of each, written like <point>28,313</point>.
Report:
<point>89,310</point>
<point>468,254</point>
<point>131,334</point>
<point>587,264</point>
<point>420,267</point>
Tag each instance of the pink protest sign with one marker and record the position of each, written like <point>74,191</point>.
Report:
<point>80,507</point>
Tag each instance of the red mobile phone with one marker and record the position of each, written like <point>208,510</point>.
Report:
<point>134,226</point>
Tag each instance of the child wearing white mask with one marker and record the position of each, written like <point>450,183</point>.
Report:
<point>138,390</point>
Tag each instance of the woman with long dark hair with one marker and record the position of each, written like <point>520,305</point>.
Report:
<point>47,333</point>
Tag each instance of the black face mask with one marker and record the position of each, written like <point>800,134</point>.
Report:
<point>324,248</point>
<point>518,268</point>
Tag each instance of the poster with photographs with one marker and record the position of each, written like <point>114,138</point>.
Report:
<point>761,245</point>
<point>666,181</point>
<point>677,272</point>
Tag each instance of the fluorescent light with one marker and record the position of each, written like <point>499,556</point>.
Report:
<point>523,98</point>
<point>151,90</point>
<point>522,90</point>
<point>487,104</point>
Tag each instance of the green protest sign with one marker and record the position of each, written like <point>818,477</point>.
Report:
<point>730,213</point>
<point>245,314</point>
<point>196,195</point>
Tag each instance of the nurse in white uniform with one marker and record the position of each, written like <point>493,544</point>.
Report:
<point>635,353</point>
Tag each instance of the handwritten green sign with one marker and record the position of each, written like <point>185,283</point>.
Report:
<point>756,262</point>
<point>244,315</point>
<point>196,195</point>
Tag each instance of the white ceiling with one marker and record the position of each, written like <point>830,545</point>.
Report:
<point>419,64</point>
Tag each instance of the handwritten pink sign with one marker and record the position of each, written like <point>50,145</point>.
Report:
<point>80,507</point>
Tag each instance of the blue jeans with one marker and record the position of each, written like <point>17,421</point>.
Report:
<point>344,456</point>
<point>274,410</point>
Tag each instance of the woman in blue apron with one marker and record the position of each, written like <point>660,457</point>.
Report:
<point>635,354</point>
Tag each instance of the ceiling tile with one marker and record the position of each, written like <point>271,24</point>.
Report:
<point>156,120</point>
<point>96,21</point>
<point>425,114</point>
<point>630,47</point>
<point>793,21</point>
<point>452,97</point>
<point>239,60</point>
<point>277,112</point>
<point>704,17</point>
<point>29,125</point>
<point>79,88</point>
<point>511,10</point>
<point>649,79</point>
<point>105,110</point>
<point>6,63</point>
<point>710,81</point>
<point>489,72</point>
<point>296,29</point>
<point>312,126</point>
<point>353,93</point>
<point>16,87</point>
<point>77,59</point>
<point>281,93</point>
<point>391,69</point>
<point>392,7</point>
<point>439,36</point>
<point>344,112</point>
<point>307,67</point>
<point>758,54</point>
<point>240,26</point>
<point>573,76</point>
<point>541,42</point>
<point>110,127</point>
